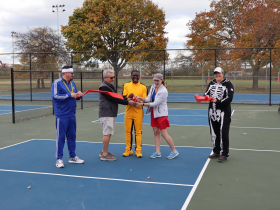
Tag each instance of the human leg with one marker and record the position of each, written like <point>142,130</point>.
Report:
<point>106,140</point>
<point>71,136</point>
<point>61,125</point>
<point>215,136</point>
<point>168,139</point>
<point>138,121</point>
<point>225,125</point>
<point>157,138</point>
<point>128,126</point>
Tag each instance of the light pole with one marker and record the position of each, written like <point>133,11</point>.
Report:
<point>13,34</point>
<point>57,7</point>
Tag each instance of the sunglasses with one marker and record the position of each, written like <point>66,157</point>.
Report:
<point>111,77</point>
<point>135,75</point>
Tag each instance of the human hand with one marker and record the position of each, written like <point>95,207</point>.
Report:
<point>138,104</point>
<point>140,98</point>
<point>74,95</point>
<point>131,103</point>
<point>80,94</point>
<point>214,100</point>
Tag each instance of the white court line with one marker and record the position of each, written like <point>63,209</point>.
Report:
<point>253,150</point>
<point>184,207</point>
<point>17,144</point>
<point>99,178</point>
<point>256,128</point>
<point>256,110</point>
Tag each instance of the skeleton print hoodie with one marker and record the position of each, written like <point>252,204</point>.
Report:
<point>223,92</point>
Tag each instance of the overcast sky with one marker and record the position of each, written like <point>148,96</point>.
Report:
<point>19,15</point>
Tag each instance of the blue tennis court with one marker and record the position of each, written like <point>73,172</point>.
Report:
<point>185,117</point>
<point>176,97</point>
<point>7,109</point>
<point>128,183</point>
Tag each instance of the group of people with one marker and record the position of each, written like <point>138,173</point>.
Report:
<point>135,97</point>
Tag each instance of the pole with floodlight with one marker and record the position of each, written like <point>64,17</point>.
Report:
<point>57,7</point>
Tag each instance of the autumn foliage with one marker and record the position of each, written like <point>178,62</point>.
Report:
<point>237,24</point>
<point>116,25</point>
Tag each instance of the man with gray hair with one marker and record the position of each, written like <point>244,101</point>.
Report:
<point>108,110</point>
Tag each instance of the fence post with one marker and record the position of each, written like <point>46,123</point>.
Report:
<point>164,65</point>
<point>215,58</point>
<point>266,76</point>
<point>82,100</point>
<point>30,68</point>
<point>13,96</point>
<point>52,100</point>
<point>270,77</point>
<point>116,67</point>
<point>71,59</point>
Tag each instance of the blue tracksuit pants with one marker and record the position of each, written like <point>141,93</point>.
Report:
<point>66,127</point>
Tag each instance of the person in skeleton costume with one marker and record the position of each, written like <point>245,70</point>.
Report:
<point>219,114</point>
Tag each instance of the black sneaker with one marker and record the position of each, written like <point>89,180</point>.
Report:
<point>214,155</point>
<point>222,159</point>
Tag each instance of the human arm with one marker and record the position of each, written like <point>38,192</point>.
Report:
<point>58,93</point>
<point>113,99</point>
<point>160,98</point>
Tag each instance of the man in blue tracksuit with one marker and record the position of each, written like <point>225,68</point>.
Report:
<point>64,95</point>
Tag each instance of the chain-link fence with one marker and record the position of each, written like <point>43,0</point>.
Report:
<point>253,72</point>
<point>31,92</point>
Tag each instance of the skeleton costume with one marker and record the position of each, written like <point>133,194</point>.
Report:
<point>219,114</point>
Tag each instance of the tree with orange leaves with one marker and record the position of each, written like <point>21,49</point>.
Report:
<point>112,25</point>
<point>237,24</point>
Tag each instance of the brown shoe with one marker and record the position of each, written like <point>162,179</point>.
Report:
<point>108,157</point>
<point>222,159</point>
<point>108,153</point>
<point>214,155</point>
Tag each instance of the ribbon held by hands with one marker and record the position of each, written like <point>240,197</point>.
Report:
<point>202,98</point>
<point>134,98</point>
<point>115,95</point>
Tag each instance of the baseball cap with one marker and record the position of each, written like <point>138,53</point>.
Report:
<point>158,76</point>
<point>218,70</point>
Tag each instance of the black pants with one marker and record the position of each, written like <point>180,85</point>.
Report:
<point>219,131</point>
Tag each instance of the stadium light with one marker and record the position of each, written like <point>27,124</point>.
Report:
<point>13,33</point>
<point>57,8</point>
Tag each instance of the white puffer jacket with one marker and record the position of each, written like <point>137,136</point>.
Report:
<point>160,103</point>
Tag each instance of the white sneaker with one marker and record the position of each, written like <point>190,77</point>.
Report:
<point>59,163</point>
<point>76,160</point>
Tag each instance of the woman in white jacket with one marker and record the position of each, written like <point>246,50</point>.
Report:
<point>157,105</point>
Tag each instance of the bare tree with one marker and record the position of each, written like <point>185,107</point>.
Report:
<point>45,49</point>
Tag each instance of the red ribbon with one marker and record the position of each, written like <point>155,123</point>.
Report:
<point>202,98</point>
<point>115,95</point>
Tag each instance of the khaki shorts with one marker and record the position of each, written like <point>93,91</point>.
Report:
<point>108,125</point>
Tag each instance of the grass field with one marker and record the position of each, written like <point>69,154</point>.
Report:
<point>179,85</point>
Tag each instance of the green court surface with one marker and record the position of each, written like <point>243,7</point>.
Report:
<point>248,180</point>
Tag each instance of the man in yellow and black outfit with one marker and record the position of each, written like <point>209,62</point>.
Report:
<point>134,115</point>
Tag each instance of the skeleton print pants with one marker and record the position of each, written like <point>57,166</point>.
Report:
<point>219,130</point>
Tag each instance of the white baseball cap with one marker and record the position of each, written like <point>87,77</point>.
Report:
<point>218,70</point>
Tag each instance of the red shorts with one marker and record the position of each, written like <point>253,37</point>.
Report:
<point>161,122</point>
